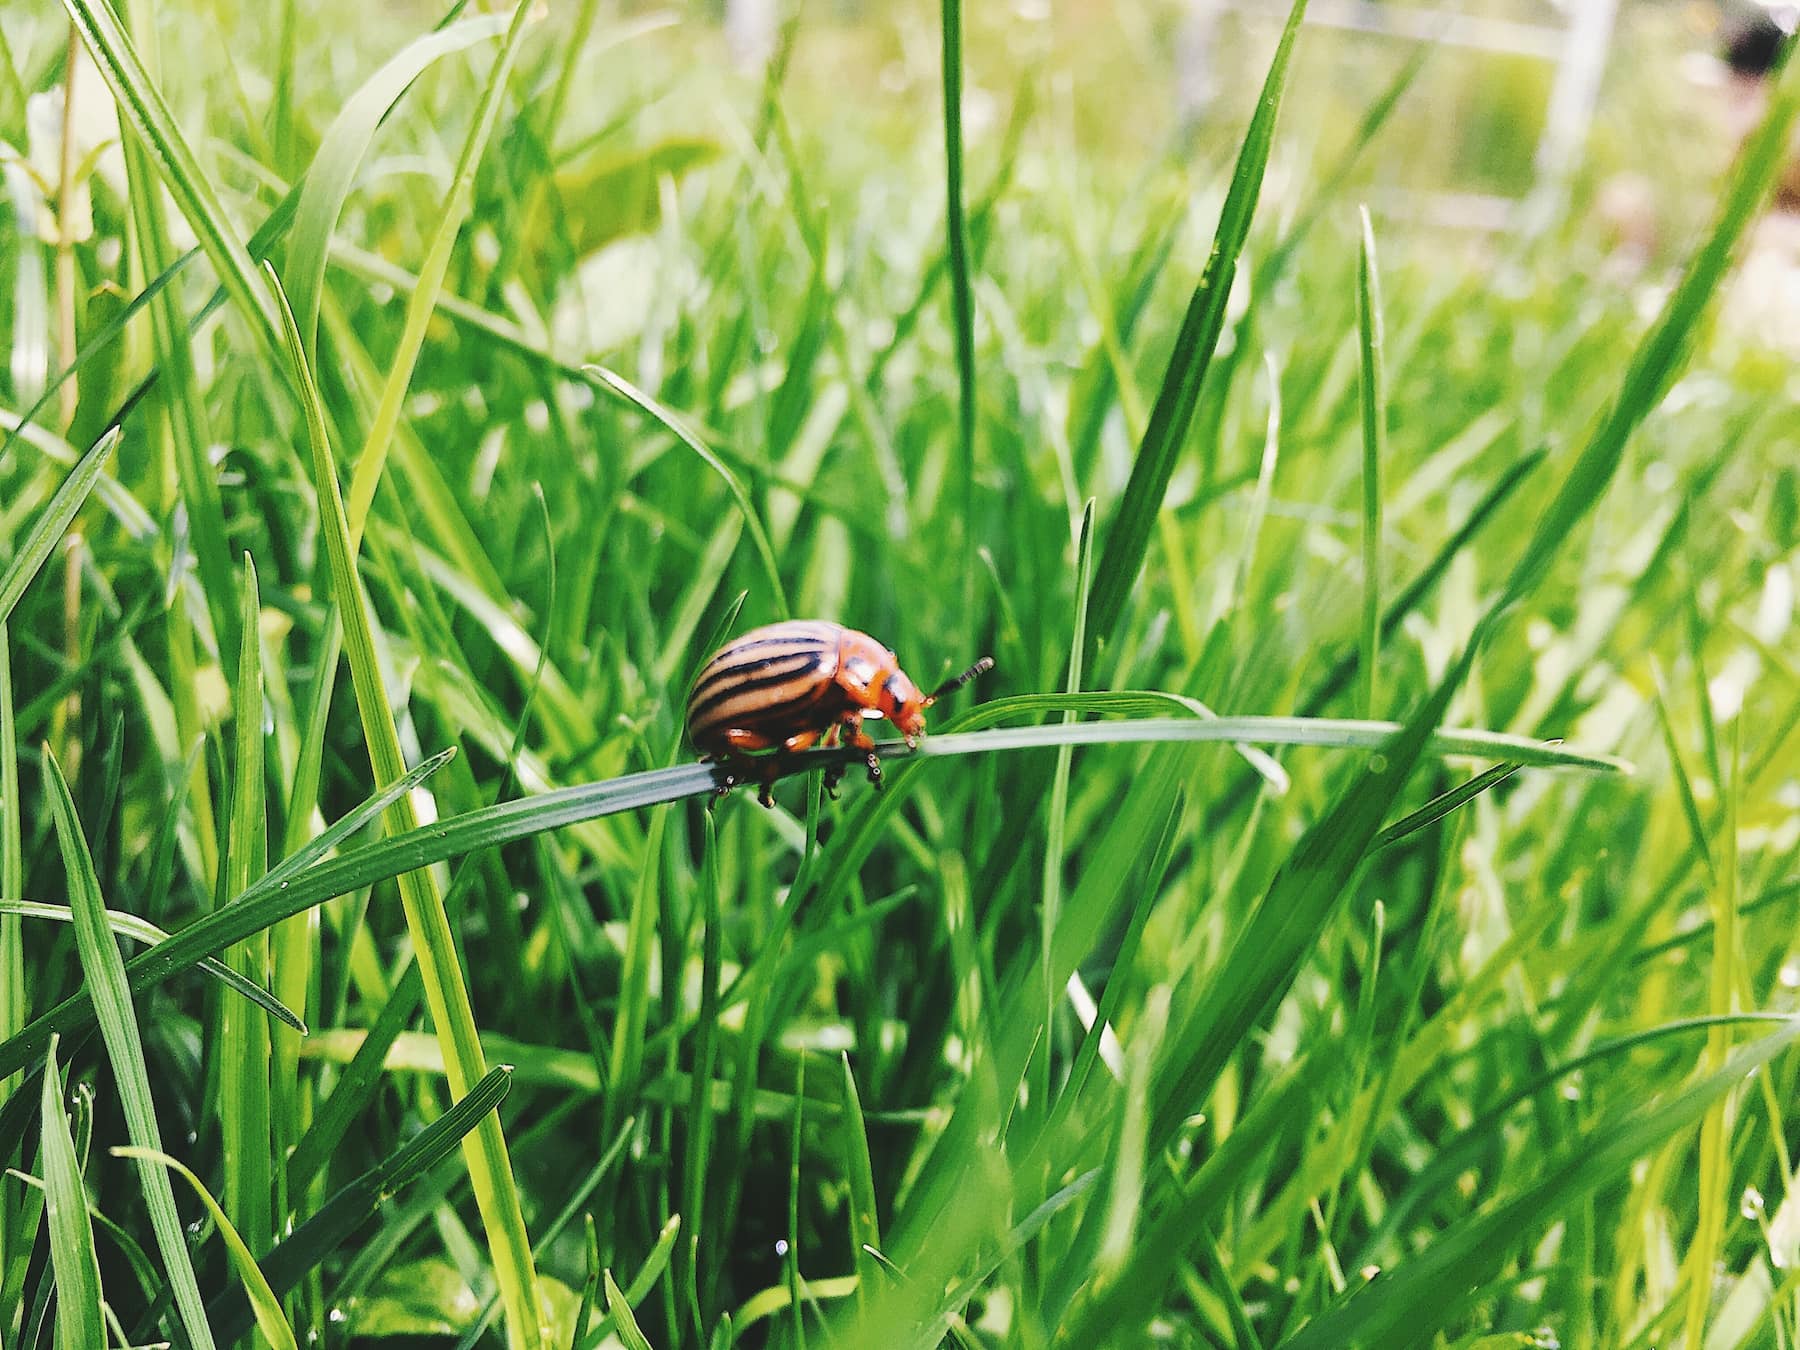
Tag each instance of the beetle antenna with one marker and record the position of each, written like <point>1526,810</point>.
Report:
<point>981,667</point>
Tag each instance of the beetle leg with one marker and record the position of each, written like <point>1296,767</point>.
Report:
<point>770,770</point>
<point>834,771</point>
<point>727,779</point>
<point>854,735</point>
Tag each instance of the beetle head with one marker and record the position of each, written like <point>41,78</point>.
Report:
<point>908,715</point>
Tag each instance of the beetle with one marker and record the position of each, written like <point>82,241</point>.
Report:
<point>788,686</point>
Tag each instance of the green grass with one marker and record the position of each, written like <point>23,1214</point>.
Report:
<point>355,561</point>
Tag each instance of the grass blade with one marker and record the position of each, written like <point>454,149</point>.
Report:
<point>490,1170</point>
<point>142,930</point>
<point>1262,964</point>
<point>1173,413</point>
<point>79,1324</point>
<point>1374,428</point>
<point>52,522</point>
<point>12,890</point>
<point>625,1325</point>
<point>619,385</point>
<point>372,459</point>
<point>1715,1146</point>
<point>962,298</point>
<point>1442,805</point>
<point>349,1208</point>
<point>865,1219</point>
<point>143,105</point>
<point>1417,1293</point>
<point>245,1119</point>
<point>342,149</point>
<point>1056,822</point>
<point>278,897</point>
<point>1660,356</point>
<point>104,975</point>
<point>270,1320</point>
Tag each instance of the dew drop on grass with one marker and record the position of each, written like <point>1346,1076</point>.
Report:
<point>1790,975</point>
<point>781,1247</point>
<point>1378,764</point>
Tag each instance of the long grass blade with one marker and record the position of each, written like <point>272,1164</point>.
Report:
<point>1371,343</point>
<point>13,1009</point>
<point>759,536</point>
<point>104,972</point>
<point>143,105</point>
<point>962,295</point>
<point>270,1320</point>
<point>52,522</point>
<point>348,1209</point>
<point>1262,963</point>
<point>372,459</point>
<point>490,1170</point>
<point>275,898</point>
<point>79,1324</point>
<point>1664,349</point>
<point>342,149</point>
<point>1129,536</point>
<point>142,930</point>
<point>245,1112</point>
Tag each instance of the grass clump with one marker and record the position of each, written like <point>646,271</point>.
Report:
<point>508,363</point>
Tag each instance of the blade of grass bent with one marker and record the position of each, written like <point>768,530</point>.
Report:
<point>103,971</point>
<point>1129,536</point>
<point>342,149</point>
<point>434,943</point>
<point>279,896</point>
<point>72,1260</point>
<point>623,388</point>
<point>142,930</point>
<point>269,1318</point>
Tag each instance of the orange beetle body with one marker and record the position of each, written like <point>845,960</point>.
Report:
<point>789,686</point>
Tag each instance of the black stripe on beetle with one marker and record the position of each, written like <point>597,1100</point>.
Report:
<point>711,696</point>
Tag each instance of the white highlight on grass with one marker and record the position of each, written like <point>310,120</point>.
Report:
<point>1112,1054</point>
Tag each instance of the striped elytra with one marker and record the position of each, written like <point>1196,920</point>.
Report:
<point>766,685</point>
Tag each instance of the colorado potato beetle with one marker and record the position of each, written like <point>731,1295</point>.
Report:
<point>788,686</point>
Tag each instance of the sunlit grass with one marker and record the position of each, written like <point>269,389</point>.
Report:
<point>1166,995</point>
